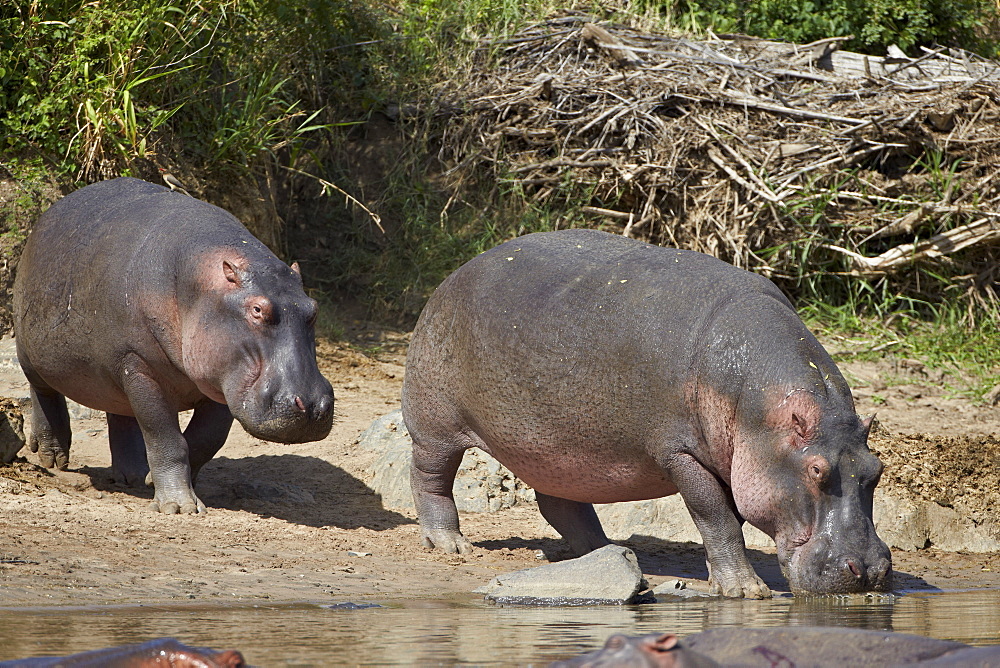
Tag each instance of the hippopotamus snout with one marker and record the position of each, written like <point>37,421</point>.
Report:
<point>820,566</point>
<point>287,413</point>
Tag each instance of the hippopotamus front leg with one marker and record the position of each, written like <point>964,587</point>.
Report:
<point>50,433</point>
<point>729,570</point>
<point>128,450</point>
<point>205,435</point>
<point>166,448</point>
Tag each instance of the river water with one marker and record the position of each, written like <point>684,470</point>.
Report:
<point>467,631</point>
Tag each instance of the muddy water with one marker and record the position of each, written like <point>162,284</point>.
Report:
<point>468,631</point>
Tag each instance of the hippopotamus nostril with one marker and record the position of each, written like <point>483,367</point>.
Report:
<point>298,404</point>
<point>322,408</point>
<point>879,572</point>
<point>853,567</point>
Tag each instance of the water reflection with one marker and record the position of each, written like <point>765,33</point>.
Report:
<point>471,632</point>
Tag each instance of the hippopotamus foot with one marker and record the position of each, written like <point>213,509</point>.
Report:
<point>743,585</point>
<point>50,435</point>
<point>452,542</point>
<point>128,451</point>
<point>576,522</point>
<point>179,503</point>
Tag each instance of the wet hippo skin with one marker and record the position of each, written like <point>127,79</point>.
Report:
<point>787,647</point>
<point>161,653</point>
<point>602,369</point>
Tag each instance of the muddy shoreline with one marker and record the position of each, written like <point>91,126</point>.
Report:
<point>300,523</point>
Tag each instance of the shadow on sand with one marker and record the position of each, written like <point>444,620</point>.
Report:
<point>304,490</point>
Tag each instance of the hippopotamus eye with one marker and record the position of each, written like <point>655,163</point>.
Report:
<point>818,469</point>
<point>259,310</point>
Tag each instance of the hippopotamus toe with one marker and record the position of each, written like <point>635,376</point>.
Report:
<point>452,542</point>
<point>169,506</point>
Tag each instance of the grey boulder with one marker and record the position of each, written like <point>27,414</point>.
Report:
<point>607,576</point>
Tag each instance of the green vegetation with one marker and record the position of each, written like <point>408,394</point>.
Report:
<point>259,91</point>
<point>908,24</point>
<point>98,87</point>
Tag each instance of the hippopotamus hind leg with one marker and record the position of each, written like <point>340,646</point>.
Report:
<point>206,433</point>
<point>576,522</point>
<point>50,433</point>
<point>432,479</point>
<point>128,450</point>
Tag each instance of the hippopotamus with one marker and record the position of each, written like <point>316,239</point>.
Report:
<point>160,653</point>
<point>656,650</point>
<point>142,302</point>
<point>599,368</point>
<point>783,648</point>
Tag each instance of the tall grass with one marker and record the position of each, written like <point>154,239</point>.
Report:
<point>97,87</point>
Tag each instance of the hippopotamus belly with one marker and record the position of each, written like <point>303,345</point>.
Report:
<point>602,369</point>
<point>633,476</point>
<point>142,302</point>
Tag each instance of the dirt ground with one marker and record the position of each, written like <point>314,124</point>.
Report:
<point>297,523</point>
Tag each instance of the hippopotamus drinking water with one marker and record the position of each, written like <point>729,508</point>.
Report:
<point>601,369</point>
<point>142,303</point>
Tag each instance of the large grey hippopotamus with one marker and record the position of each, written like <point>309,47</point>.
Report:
<point>786,647</point>
<point>599,369</point>
<point>160,653</point>
<point>142,302</point>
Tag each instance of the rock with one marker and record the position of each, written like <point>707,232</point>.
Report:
<point>671,590</point>
<point>666,518</point>
<point>905,525</point>
<point>11,428</point>
<point>607,576</point>
<point>482,484</point>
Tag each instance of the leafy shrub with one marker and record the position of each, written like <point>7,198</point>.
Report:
<point>91,85</point>
<point>875,24</point>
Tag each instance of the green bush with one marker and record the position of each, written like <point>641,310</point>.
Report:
<point>909,24</point>
<point>94,85</point>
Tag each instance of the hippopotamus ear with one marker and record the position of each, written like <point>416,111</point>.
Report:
<point>803,427</point>
<point>234,273</point>
<point>867,422</point>
<point>297,271</point>
<point>664,643</point>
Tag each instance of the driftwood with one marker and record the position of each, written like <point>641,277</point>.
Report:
<point>746,149</point>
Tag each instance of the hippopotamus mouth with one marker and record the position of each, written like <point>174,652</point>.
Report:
<point>285,414</point>
<point>816,564</point>
<point>291,428</point>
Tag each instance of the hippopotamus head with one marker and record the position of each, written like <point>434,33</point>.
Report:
<point>809,484</point>
<point>656,650</point>
<point>249,342</point>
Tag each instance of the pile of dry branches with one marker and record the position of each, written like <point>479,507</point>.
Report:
<point>768,155</point>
